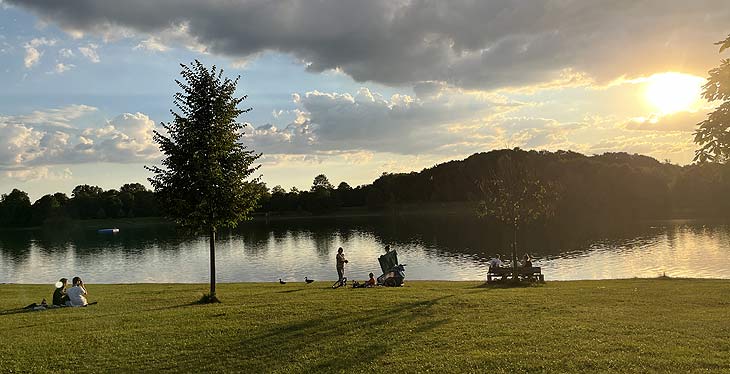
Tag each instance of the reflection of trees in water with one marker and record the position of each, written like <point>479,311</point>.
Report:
<point>15,244</point>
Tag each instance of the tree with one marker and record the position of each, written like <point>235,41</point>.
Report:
<point>713,134</point>
<point>514,196</point>
<point>15,208</point>
<point>321,183</point>
<point>202,184</point>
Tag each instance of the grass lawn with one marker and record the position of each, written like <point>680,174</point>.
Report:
<point>637,325</point>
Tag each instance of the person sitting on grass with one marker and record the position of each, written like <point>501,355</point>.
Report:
<point>59,295</point>
<point>77,293</point>
<point>371,281</point>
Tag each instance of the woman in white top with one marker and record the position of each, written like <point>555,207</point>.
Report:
<point>77,293</point>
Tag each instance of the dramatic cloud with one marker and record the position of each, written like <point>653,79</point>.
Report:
<point>367,121</point>
<point>482,44</point>
<point>27,142</point>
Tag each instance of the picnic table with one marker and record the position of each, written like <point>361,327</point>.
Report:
<point>532,273</point>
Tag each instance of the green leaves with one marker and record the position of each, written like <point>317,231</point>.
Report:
<point>713,134</point>
<point>203,182</point>
<point>513,195</point>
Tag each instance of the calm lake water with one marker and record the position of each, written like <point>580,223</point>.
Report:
<point>447,248</point>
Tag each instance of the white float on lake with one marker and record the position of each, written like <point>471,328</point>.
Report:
<point>107,231</point>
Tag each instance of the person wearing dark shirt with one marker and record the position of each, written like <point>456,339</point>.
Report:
<point>527,261</point>
<point>59,295</point>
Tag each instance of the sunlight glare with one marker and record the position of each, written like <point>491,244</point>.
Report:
<point>673,92</point>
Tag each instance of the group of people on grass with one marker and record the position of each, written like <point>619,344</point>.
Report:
<point>65,296</point>
<point>341,261</point>
<point>70,296</point>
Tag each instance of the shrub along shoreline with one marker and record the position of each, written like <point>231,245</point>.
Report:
<point>631,325</point>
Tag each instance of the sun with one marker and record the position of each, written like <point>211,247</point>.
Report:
<point>673,92</point>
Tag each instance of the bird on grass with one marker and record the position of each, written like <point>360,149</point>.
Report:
<point>308,280</point>
<point>281,281</point>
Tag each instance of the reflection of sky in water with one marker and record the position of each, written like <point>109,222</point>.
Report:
<point>679,249</point>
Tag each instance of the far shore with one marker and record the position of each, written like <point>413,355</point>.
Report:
<point>429,209</point>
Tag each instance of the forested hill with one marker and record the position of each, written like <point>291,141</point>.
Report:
<point>613,186</point>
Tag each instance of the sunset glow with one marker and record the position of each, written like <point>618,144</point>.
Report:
<point>673,92</point>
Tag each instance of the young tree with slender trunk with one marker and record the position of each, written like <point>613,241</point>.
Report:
<point>203,184</point>
<point>514,196</point>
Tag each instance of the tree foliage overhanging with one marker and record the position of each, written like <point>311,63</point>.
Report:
<point>713,134</point>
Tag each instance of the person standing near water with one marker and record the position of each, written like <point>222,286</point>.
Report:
<point>341,261</point>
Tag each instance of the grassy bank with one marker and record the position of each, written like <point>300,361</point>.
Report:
<point>659,325</point>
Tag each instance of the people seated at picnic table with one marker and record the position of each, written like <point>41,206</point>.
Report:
<point>59,295</point>
<point>496,262</point>
<point>527,261</point>
<point>77,293</point>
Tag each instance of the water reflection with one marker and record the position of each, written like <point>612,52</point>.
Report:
<point>443,247</point>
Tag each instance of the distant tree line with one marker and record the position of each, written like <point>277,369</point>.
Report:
<point>86,202</point>
<point>611,186</point>
<point>607,186</point>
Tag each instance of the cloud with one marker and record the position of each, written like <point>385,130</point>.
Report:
<point>32,53</point>
<point>367,121</point>
<point>66,53</point>
<point>479,45</point>
<point>45,138</point>
<point>89,51</point>
<point>38,173</point>
<point>152,44</point>
<point>51,118</point>
<point>61,68</point>
<point>680,121</point>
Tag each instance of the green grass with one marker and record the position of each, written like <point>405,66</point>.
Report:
<point>638,325</point>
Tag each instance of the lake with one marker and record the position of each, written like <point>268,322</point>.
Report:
<point>449,247</point>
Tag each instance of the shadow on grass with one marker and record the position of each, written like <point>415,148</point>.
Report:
<point>508,284</point>
<point>291,291</point>
<point>330,342</point>
<point>15,311</point>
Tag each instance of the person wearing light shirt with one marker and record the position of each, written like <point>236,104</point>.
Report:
<point>77,293</point>
<point>495,262</point>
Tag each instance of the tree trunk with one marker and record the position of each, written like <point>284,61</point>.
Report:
<point>212,263</point>
<point>515,277</point>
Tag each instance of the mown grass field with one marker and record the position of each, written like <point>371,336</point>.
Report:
<point>637,326</point>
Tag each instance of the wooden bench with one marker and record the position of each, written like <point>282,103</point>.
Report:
<point>533,273</point>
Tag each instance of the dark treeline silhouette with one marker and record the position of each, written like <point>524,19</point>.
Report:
<point>611,186</point>
<point>608,186</point>
<point>86,202</point>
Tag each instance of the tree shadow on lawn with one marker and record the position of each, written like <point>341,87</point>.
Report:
<point>330,343</point>
<point>495,285</point>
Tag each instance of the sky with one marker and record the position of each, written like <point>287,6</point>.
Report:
<point>350,88</point>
